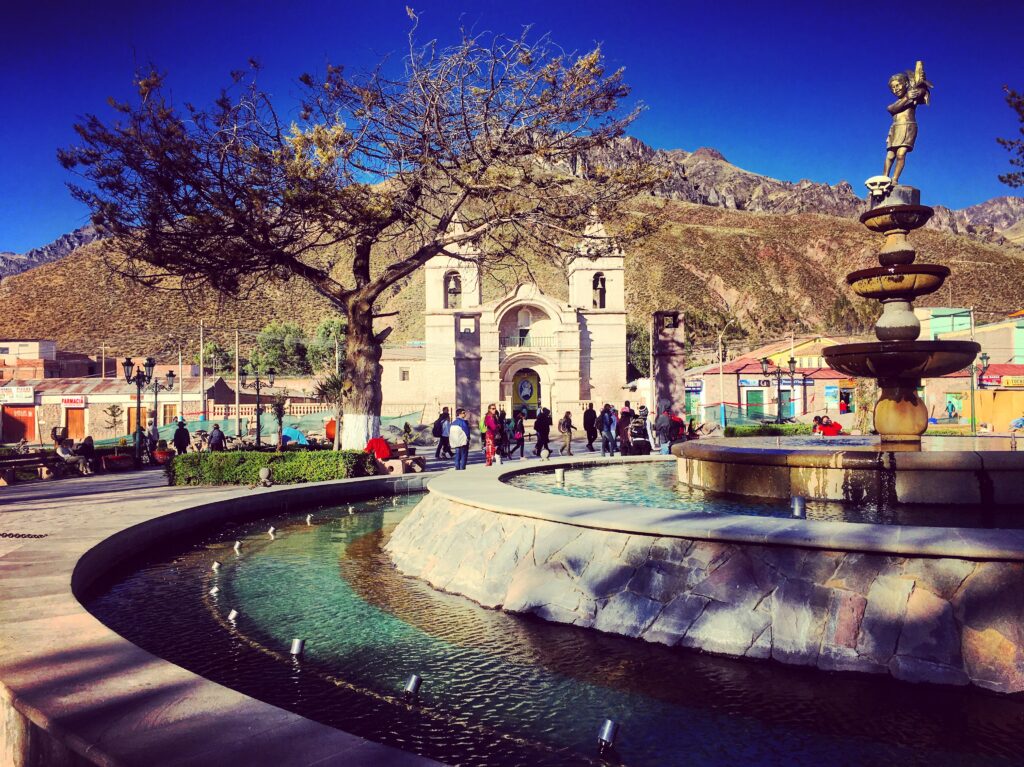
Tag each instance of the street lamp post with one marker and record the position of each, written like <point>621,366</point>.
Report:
<point>721,375</point>
<point>256,385</point>
<point>140,377</point>
<point>779,374</point>
<point>157,387</point>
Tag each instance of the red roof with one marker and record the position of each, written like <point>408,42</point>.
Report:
<point>995,370</point>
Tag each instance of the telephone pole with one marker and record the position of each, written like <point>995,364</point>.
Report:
<point>238,387</point>
<point>202,375</point>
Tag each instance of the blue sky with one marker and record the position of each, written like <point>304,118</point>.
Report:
<point>788,89</point>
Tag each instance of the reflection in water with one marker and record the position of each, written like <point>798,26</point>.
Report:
<point>504,690</point>
<point>655,484</point>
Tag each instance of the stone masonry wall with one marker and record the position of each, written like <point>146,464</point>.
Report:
<point>947,621</point>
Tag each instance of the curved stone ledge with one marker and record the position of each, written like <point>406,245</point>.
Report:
<point>72,692</point>
<point>748,587</point>
<point>857,473</point>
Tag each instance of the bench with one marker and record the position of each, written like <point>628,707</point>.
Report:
<point>47,464</point>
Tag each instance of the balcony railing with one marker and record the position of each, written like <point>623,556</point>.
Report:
<point>528,342</point>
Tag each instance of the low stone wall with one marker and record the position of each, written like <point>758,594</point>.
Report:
<point>941,620</point>
<point>855,474</point>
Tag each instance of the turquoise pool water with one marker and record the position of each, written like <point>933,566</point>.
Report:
<point>655,484</point>
<point>504,690</point>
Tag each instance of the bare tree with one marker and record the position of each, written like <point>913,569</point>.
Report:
<point>466,152</point>
<point>1015,147</point>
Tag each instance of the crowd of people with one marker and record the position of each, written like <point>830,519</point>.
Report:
<point>624,431</point>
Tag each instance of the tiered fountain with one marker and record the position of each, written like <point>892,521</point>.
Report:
<point>897,466</point>
<point>898,360</point>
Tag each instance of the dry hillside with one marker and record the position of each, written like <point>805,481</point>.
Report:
<point>778,272</point>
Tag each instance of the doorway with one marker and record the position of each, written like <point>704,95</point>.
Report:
<point>74,420</point>
<point>755,404</point>
<point>526,394</point>
<point>18,423</point>
<point>131,418</point>
<point>786,403</point>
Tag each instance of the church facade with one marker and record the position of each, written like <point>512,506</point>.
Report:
<point>525,351</point>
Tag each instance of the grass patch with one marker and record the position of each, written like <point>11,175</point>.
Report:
<point>769,430</point>
<point>243,467</point>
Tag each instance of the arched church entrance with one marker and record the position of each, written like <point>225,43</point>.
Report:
<point>526,392</point>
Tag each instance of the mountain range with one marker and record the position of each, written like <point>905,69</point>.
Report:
<point>773,255</point>
<point>705,177</point>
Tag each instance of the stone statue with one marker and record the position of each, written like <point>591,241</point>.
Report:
<point>910,89</point>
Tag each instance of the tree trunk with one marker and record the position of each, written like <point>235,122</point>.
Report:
<point>363,368</point>
<point>337,426</point>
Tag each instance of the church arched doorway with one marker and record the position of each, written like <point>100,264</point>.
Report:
<point>526,392</point>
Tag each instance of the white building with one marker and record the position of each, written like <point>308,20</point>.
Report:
<point>525,350</point>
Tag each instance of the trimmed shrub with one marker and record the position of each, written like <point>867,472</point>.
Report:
<point>769,430</point>
<point>288,468</point>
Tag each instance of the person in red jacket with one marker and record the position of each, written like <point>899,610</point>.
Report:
<point>379,447</point>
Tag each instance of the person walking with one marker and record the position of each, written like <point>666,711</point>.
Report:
<point>152,437</point>
<point>543,428</point>
<point>182,439</point>
<point>590,425</point>
<point>640,439</point>
<point>441,430</point>
<point>458,439</point>
<point>663,427</point>
<point>490,434</point>
<point>519,434</point>
<point>622,429</point>
<point>608,423</point>
<point>565,428</point>
<point>217,442</point>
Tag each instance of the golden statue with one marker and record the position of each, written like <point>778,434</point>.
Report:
<point>910,89</point>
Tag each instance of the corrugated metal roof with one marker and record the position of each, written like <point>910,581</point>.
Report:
<point>96,385</point>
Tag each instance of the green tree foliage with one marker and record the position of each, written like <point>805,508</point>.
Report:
<point>328,346</point>
<point>332,389</point>
<point>217,358</point>
<point>1014,146</point>
<point>638,349</point>
<point>460,149</point>
<point>281,346</point>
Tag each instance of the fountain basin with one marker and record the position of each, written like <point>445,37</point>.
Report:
<point>892,218</point>
<point>901,360</point>
<point>899,281</point>
<point>858,470</point>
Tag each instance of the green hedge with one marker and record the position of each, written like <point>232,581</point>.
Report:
<point>243,467</point>
<point>769,430</point>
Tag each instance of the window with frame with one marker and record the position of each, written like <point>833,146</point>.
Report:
<point>403,374</point>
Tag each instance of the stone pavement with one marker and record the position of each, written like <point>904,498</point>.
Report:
<point>72,692</point>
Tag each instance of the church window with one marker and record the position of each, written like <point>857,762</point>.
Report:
<point>599,291</point>
<point>403,374</point>
<point>452,290</point>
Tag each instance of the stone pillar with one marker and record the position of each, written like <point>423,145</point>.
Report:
<point>467,366</point>
<point>668,360</point>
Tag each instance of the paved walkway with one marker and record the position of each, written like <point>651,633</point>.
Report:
<point>64,676</point>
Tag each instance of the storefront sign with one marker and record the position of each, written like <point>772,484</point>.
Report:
<point>17,395</point>
<point>847,383</point>
<point>76,400</point>
<point>694,384</point>
<point>1008,380</point>
<point>763,383</point>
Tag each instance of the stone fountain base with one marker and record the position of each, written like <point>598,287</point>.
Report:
<point>858,470</point>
